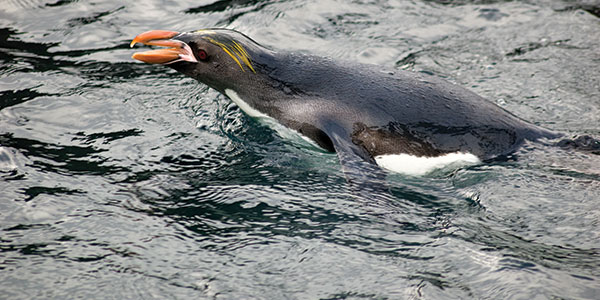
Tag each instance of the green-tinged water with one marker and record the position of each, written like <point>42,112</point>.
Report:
<point>121,180</point>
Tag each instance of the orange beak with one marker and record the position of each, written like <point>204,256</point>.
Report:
<point>177,50</point>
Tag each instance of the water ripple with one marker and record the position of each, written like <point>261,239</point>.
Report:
<point>131,181</point>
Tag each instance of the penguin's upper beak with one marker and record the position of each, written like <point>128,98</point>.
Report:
<point>177,51</point>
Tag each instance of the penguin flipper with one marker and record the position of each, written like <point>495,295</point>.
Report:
<point>358,166</point>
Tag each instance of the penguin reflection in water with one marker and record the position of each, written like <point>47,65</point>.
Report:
<point>401,121</point>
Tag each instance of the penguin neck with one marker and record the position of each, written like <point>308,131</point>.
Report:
<point>245,106</point>
<point>274,123</point>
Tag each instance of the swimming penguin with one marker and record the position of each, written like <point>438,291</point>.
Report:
<point>370,117</point>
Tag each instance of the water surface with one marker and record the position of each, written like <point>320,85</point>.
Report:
<point>129,181</point>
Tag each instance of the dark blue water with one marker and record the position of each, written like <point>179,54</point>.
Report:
<point>121,180</point>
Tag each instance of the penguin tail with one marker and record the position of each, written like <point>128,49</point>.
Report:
<point>584,143</point>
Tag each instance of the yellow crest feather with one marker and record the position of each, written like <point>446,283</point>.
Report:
<point>233,49</point>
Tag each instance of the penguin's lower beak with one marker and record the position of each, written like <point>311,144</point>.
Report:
<point>177,51</point>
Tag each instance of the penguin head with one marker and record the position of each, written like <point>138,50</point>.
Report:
<point>216,57</point>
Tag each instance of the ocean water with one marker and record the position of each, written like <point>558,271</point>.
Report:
<point>121,180</point>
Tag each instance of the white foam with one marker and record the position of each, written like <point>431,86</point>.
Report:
<point>421,165</point>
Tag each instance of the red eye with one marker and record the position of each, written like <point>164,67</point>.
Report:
<point>202,55</point>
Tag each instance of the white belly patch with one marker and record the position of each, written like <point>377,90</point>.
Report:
<point>421,165</point>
